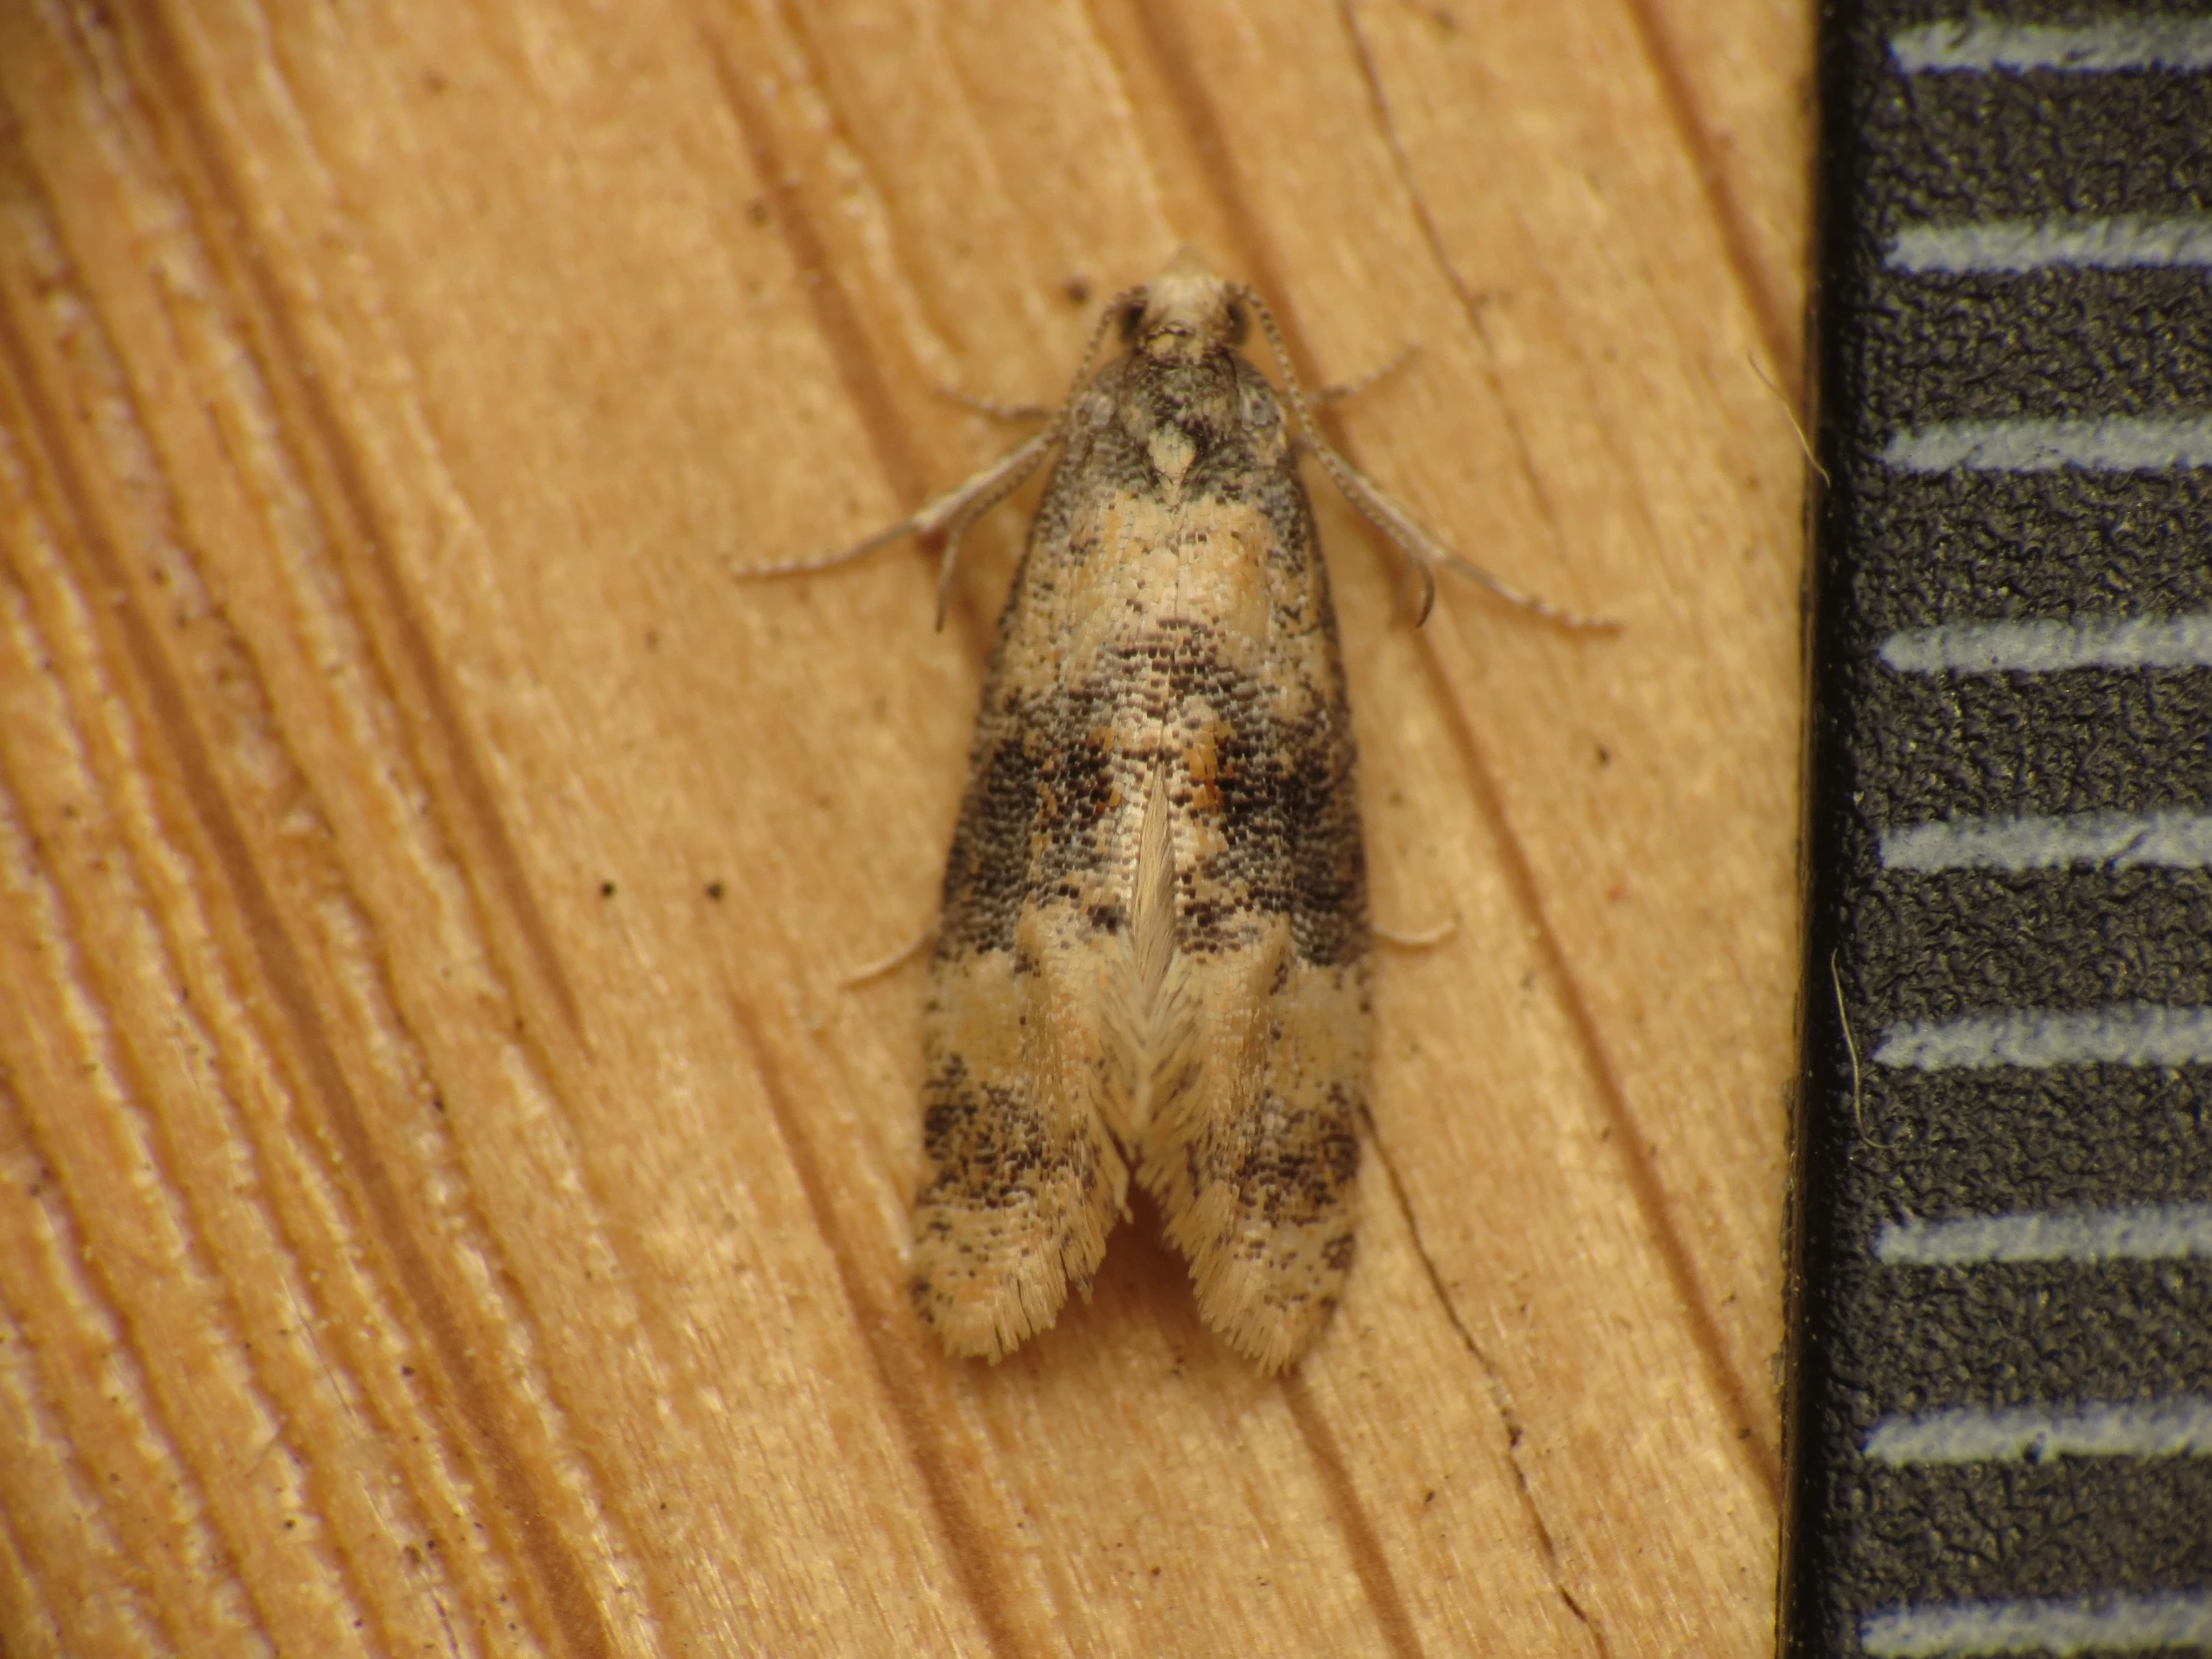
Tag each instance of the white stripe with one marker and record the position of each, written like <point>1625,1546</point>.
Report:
<point>1971,1435</point>
<point>2108,841</point>
<point>2033,245</point>
<point>2098,443</point>
<point>2114,43</point>
<point>2133,1233</point>
<point>2122,1623</point>
<point>2043,646</point>
<point>2125,1034</point>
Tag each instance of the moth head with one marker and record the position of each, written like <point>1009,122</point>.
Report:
<point>1183,313</point>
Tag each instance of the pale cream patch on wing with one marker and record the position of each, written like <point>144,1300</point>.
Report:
<point>1147,563</point>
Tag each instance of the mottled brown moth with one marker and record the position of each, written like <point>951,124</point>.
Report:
<point>1153,952</point>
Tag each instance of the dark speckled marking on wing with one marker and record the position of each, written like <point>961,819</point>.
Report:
<point>1155,931</point>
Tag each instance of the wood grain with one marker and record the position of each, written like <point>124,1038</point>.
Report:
<point>449,1200</point>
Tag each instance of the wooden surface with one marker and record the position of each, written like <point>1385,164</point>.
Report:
<point>449,1203</point>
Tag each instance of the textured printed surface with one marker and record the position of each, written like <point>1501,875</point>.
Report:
<point>449,1202</point>
<point>2004,1335</point>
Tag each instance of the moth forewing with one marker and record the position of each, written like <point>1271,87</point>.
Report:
<point>1155,934</point>
<point>1154,942</point>
<point>1024,1181</point>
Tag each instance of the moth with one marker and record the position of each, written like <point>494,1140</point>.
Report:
<point>1153,953</point>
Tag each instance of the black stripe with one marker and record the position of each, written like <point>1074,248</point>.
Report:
<point>2003,744</point>
<point>2010,1334</point>
<point>2006,145</point>
<point>1958,942</point>
<point>1981,546</point>
<point>1940,1144</point>
<point>2041,344</point>
<point>2069,1528</point>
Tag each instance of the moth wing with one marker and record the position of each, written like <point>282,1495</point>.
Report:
<point>1024,1181</point>
<point>1249,1137</point>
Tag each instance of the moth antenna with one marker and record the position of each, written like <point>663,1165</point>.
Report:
<point>1339,390</point>
<point>828,561</point>
<point>1251,296</point>
<point>1128,296</point>
<point>1421,549</point>
<point>952,513</point>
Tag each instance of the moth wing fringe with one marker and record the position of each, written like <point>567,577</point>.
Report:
<point>1011,1278</point>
